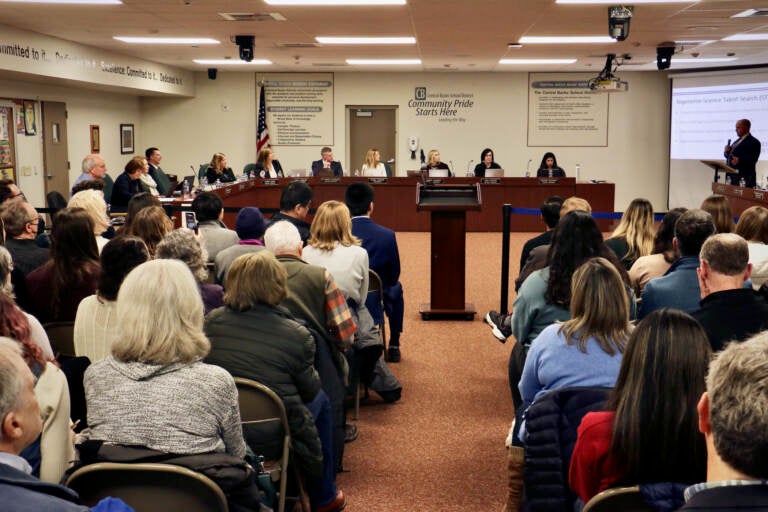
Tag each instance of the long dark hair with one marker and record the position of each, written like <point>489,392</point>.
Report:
<point>662,243</point>
<point>543,164</point>
<point>575,240</point>
<point>74,254</point>
<point>655,432</point>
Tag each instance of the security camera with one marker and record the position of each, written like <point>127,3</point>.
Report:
<point>245,45</point>
<point>212,73</point>
<point>664,54</point>
<point>618,21</point>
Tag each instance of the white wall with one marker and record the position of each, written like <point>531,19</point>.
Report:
<point>84,108</point>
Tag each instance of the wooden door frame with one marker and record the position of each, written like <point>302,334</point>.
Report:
<point>348,132</point>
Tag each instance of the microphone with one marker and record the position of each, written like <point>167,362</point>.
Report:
<point>528,168</point>
<point>423,157</point>
<point>729,142</point>
<point>450,164</point>
<point>192,167</point>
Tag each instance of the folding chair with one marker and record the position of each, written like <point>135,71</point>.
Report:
<point>148,487</point>
<point>61,336</point>
<point>626,499</point>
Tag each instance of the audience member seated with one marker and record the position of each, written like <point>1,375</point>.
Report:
<point>679,287</point>
<point>383,257</point>
<point>21,222</point>
<point>37,333</point>
<point>128,184</point>
<point>295,201</point>
<point>154,157</point>
<point>720,210</point>
<point>326,166</point>
<point>661,258</point>
<point>373,165</point>
<point>52,454</point>
<point>55,289</point>
<point>333,246</point>
<point>314,298</point>
<point>96,318</point>
<point>545,296</point>
<point>753,227</point>
<point>92,201</point>
<point>585,350</point>
<point>135,205</point>
<point>94,168</point>
<point>733,420</point>
<point>267,166</point>
<point>255,338</point>
<point>209,210</point>
<point>182,244</point>
<point>153,390</point>
<point>486,162</point>
<point>151,224</point>
<point>20,426</point>
<point>218,170</point>
<point>648,432</point>
<point>537,259</point>
<point>147,181</point>
<point>434,163</point>
<point>550,212</point>
<point>633,238</point>
<point>729,312</point>
<point>549,168</point>
<point>250,227</point>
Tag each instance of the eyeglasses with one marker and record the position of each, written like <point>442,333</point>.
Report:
<point>34,221</point>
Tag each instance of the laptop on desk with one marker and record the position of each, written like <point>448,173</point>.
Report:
<point>494,173</point>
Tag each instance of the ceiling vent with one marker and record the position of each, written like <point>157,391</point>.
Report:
<point>250,16</point>
<point>297,45</point>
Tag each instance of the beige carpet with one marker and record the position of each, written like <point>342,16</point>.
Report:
<point>442,446</point>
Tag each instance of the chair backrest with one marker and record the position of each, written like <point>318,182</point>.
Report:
<point>375,300</point>
<point>61,336</point>
<point>148,487</point>
<point>55,200</point>
<point>249,169</point>
<point>626,499</point>
<point>109,184</point>
<point>262,409</point>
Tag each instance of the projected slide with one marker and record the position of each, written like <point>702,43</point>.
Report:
<point>705,108</point>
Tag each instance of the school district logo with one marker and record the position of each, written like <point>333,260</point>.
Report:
<point>420,93</point>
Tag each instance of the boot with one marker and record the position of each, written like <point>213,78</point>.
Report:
<point>515,472</point>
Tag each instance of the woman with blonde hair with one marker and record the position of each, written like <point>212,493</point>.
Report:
<point>267,166</point>
<point>151,224</point>
<point>218,170</point>
<point>433,162</point>
<point>149,183</point>
<point>720,209</point>
<point>635,233</point>
<point>753,227</point>
<point>372,165</point>
<point>586,349</point>
<point>92,201</point>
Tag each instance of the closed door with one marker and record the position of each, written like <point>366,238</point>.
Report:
<point>372,127</point>
<point>55,155</point>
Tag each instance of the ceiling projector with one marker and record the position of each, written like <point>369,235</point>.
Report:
<point>612,84</point>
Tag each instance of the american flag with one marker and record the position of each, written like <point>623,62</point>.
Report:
<point>262,132</point>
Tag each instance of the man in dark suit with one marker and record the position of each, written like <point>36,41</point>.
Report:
<point>743,154</point>
<point>326,166</point>
<point>734,423</point>
<point>383,257</point>
<point>153,157</point>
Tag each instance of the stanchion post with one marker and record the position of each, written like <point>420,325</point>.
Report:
<point>506,210</point>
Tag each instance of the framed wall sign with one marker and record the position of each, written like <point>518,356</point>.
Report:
<point>126,139</point>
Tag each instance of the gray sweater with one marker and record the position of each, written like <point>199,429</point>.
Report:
<point>179,408</point>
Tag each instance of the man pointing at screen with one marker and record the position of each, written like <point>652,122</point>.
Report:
<point>743,154</point>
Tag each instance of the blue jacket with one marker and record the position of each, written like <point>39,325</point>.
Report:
<point>381,245</point>
<point>24,493</point>
<point>678,288</point>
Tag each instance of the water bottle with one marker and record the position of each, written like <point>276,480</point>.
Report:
<point>742,182</point>
<point>185,188</point>
<point>578,171</point>
<point>357,172</point>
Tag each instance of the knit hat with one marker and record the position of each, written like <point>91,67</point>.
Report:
<point>250,223</point>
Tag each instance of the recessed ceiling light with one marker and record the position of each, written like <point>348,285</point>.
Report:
<point>633,1</point>
<point>384,62</point>
<point>97,2</point>
<point>566,39</point>
<point>537,61</point>
<point>167,40</point>
<point>746,37</point>
<point>366,40</point>
<point>745,14</point>
<point>514,45</point>
<point>699,42</point>
<point>704,59</point>
<point>334,2</point>
<point>232,62</point>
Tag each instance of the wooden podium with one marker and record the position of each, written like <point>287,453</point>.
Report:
<point>719,166</point>
<point>448,205</point>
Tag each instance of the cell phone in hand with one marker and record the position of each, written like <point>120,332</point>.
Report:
<point>190,221</point>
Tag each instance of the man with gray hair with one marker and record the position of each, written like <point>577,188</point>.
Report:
<point>679,287</point>
<point>94,168</point>
<point>22,222</point>
<point>20,425</point>
<point>733,416</point>
<point>729,312</point>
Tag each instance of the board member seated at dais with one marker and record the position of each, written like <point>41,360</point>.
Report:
<point>486,162</point>
<point>549,168</point>
<point>326,166</point>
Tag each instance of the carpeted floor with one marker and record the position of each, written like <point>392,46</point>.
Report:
<point>441,447</point>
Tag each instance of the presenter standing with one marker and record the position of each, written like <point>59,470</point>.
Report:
<point>743,154</point>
